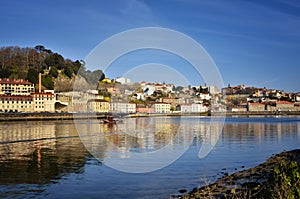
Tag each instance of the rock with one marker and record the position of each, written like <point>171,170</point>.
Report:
<point>182,191</point>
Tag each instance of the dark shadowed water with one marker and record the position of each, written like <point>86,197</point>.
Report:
<point>48,159</point>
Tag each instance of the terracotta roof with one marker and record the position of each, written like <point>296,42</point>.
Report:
<point>283,102</point>
<point>256,104</point>
<point>15,81</point>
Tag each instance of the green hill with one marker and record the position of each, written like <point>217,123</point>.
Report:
<point>26,63</point>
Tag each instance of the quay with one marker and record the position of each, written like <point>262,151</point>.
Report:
<point>48,116</point>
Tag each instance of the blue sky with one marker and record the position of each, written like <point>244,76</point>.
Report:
<point>254,43</point>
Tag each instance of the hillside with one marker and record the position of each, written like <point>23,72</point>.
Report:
<point>58,73</point>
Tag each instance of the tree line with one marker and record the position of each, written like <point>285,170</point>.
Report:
<point>26,63</point>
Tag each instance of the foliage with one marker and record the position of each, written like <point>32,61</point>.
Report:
<point>284,182</point>
<point>24,63</point>
<point>47,82</point>
<point>53,72</point>
<point>32,75</point>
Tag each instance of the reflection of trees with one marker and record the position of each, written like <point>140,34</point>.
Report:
<point>39,152</point>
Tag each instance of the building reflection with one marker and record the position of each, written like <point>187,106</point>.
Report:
<point>39,152</point>
<point>142,135</point>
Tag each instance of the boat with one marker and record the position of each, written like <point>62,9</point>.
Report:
<point>109,120</point>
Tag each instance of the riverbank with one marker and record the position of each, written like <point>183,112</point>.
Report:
<point>4,117</point>
<point>278,177</point>
<point>75,116</point>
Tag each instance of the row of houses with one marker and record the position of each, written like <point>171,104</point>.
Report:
<point>102,106</point>
<point>20,96</point>
<point>269,106</point>
<point>35,102</point>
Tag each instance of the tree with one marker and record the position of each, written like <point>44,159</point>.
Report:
<point>32,75</point>
<point>47,82</point>
<point>53,72</point>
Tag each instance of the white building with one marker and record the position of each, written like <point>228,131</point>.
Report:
<point>123,80</point>
<point>193,108</point>
<point>205,96</point>
<point>186,108</point>
<point>123,107</point>
<point>213,90</point>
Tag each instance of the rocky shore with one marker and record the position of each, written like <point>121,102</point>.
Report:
<point>278,177</point>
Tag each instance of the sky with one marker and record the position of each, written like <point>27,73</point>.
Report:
<point>255,43</point>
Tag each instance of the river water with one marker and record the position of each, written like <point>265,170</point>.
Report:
<point>60,159</point>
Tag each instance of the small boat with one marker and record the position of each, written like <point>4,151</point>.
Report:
<point>109,120</point>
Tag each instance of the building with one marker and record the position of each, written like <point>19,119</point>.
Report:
<point>123,107</point>
<point>16,103</point>
<point>98,105</point>
<point>237,109</point>
<point>160,107</point>
<point>186,108</point>
<point>43,102</point>
<point>256,107</point>
<point>193,108</point>
<point>204,96</point>
<point>213,90</point>
<point>144,108</point>
<point>123,80</point>
<point>284,106</point>
<point>15,87</point>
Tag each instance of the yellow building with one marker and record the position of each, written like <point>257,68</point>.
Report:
<point>16,87</point>
<point>16,103</point>
<point>161,107</point>
<point>43,102</point>
<point>98,105</point>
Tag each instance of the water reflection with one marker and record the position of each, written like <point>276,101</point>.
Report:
<point>46,153</point>
<point>39,152</point>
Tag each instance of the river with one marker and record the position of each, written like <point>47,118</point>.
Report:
<point>60,159</point>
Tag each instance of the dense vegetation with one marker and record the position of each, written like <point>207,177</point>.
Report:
<point>26,63</point>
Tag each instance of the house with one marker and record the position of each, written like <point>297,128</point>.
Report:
<point>43,102</point>
<point>256,106</point>
<point>160,107</point>
<point>144,108</point>
<point>186,108</point>
<point>16,87</point>
<point>193,108</point>
<point>123,80</point>
<point>237,109</point>
<point>284,106</point>
<point>16,103</point>
<point>98,105</point>
<point>122,107</point>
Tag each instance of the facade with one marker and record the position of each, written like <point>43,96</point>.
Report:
<point>43,102</point>
<point>256,107</point>
<point>35,102</point>
<point>238,109</point>
<point>205,96</point>
<point>123,80</point>
<point>162,108</point>
<point>122,107</point>
<point>144,109</point>
<point>15,87</point>
<point>16,103</point>
<point>284,106</point>
<point>98,105</point>
<point>186,108</point>
<point>193,108</point>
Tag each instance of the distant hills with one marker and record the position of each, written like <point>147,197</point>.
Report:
<point>58,73</point>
